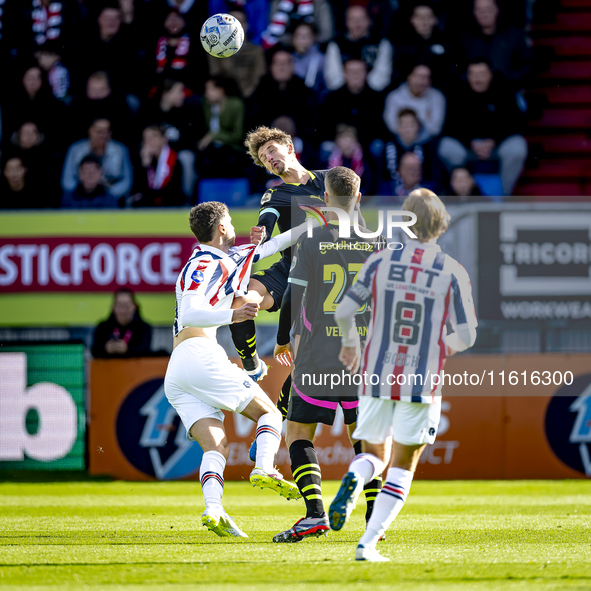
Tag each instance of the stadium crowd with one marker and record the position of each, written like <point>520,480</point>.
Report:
<point>116,104</point>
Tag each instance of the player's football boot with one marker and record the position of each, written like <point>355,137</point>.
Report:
<point>343,504</point>
<point>275,481</point>
<point>304,528</point>
<point>221,524</point>
<point>256,375</point>
<point>369,555</point>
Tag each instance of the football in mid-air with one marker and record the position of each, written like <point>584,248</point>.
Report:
<point>222,35</point>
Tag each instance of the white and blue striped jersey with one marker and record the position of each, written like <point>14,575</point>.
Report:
<point>206,286</point>
<point>413,292</point>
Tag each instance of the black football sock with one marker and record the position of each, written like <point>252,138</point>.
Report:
<point>283,402</point>
<point>371,489</point>
<point>244,336</point>
<point>306,473</point>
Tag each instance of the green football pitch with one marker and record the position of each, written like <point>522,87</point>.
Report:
<point>451,535</point>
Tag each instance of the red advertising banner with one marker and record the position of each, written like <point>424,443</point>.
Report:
<point>93,264</point>
<point>489,431</point>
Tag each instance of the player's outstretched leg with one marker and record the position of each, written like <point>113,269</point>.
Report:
<point>245,341</point>
<point>212,483</point>
<point>268,437</point>
<point>363,469</point>
<point>306,473</point>
<point>387,506</point>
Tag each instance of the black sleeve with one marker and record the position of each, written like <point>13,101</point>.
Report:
<point>292,299</point>
<point>102,334</point>
<point>268,218</point>
<point>143,344</point>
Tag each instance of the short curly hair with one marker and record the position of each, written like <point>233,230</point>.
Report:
<point>204,219</point>
<point>260,136</point>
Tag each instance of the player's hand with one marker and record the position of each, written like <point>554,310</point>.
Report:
<point>284,354</point>
<point>257,234</point>
<point>246,312</point>
<point>350,357</point>
<point>449,351</point>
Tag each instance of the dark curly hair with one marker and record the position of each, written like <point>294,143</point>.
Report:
<point>260,136</point>
<point>204,219</point>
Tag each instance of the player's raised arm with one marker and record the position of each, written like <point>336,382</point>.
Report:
<point>283,241</point>
<point>462,315</point>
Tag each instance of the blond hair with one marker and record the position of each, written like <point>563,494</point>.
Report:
<point>260,136</point>
<point>432,217</point>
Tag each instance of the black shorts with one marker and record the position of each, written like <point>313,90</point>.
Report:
<point>275,280</point>
<point>308,408</point>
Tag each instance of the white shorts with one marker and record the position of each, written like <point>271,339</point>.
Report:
<point>201,380</point>
<point>409,423</point>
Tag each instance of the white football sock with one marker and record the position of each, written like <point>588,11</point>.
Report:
<point>268,438</point>
<point>387,505</point>
<point>367,466</point>
<point>211,475</point>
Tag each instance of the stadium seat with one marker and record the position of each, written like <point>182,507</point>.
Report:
<point>567,46</point>
<point>490,185</point>
<point>568,70</point>
<point>232,192</point>
<point>567,22</point>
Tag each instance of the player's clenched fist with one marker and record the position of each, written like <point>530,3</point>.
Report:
<point>246,312</point>
<point>350,357</point>
<point>257,234</point>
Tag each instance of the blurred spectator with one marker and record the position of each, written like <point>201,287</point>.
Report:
<point>33,101</point>
<point>285,14</point>
<point>308,60</point>
<point>49,57</point>
<point>31,146</point>
<point>124,333</point>
<point>463,188</point>
<point>410,176</point>
<point>359,42</point>
<point>417,94</point>
<point>349,152</point>
<point>114,158</point>
<point>422,42</point>
<point>90,192</point>
<point>355,104</point>
<point>179,54</point>
<point>504,47</point>
<point>380,12</point>
<point>194,12</point>
<point>221,151</point>
<point>183,123</point>
<point>484,121</point>
<point>98,102</point>
<point>161,184</point>
<point>17,189</point>
<point>247,67</point>
<point>108,49</point>
<point>411,137</point>
<point>280,92</point>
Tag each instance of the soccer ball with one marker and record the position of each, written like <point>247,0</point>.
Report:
<point>222,35</point>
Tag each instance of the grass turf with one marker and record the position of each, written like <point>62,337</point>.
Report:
<point>451,535</point>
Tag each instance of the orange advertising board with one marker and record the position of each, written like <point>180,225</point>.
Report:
<point>504,426</point>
